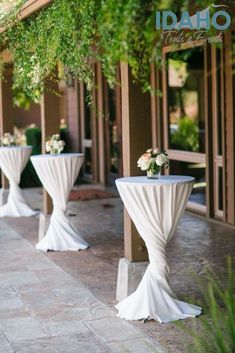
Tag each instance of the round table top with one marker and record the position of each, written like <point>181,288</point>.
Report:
<point>164,179</point>
<point>4,148</point>
<point>53,156</point>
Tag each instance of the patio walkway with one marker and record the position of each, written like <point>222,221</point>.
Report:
<point>43,309</point>
<point>64,302</point>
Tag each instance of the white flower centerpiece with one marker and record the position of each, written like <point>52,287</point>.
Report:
<point>152,161</point>
<point>8,140</point>
<point>54,145</point>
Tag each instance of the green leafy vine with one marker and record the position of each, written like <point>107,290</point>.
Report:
<point>76,34</point>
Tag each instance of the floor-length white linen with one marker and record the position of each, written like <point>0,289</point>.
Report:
<point>155,207</point>
<point>12,162</point>
<point>58,174</point>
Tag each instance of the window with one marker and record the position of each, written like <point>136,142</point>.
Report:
<point>186,105</point>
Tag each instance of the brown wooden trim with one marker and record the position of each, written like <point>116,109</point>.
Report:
<point>6,110</point>
<point>119,116</point>
<point>222,92</point>
<point>219,214</point>
<point>107,128</point>
<point>229,130</point>
<point>217,159</point>
<point>183,46</point>
<point>81,113</point>
<point>101,147</point>
<point>29,8</point>
<point>165,104</point>
<point>154,114</point>
<point>184,156</point>
<point>209,132</point>
<point>6,56</point>
<point>196,207</point>
<point>94,135</point>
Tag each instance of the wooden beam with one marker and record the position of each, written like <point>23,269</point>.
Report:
<point>6,110</point>
<point>6,56</point>
<point>136,138</point>
<point>29,8</point>
<point>32,6</point>
<point>50,124</point>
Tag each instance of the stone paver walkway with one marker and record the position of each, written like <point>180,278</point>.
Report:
<point>44,310</point>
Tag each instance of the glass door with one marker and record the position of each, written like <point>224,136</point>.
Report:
<point>184,100</point>
<point>193,123</point>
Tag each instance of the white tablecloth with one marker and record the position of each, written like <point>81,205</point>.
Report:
<point>155,207</point>
<point>58,174</point>
<point>12,162</point>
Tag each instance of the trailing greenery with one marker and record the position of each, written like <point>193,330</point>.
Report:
<point>75,34</point>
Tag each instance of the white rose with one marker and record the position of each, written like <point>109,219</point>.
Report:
<point>48,146</point>
<point>161,159</point>
<point>5,140</point>
<point>156,150</point>
<point>149,150</point>
<point>144,161</point>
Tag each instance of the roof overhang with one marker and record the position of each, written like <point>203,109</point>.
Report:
<point>29,8</point>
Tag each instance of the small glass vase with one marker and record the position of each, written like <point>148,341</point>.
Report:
<point>54,152</point>
<point>153,175</point>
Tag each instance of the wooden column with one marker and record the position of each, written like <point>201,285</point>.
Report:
<point>6,110</point>
<point>101,125</point>
<point>136,138</point>
<point>50,124</point>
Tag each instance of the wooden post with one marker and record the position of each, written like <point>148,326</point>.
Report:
<point>6,110</point>
<point>50,124</point>
<point>102,175</point>
<point>136,138</point>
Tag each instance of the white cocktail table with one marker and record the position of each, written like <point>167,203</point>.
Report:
<point>13,160</point>
<point>58,174</point>
<point>155,207</point>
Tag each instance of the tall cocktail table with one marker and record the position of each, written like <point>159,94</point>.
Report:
<point>13,160</point>
<point>155,207</point>
<point>58,174</point>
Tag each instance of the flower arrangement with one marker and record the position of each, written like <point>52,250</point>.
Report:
<point>152,161</point>
<point>8,139</point>
<point>54,145</point>
<point>20,137</point>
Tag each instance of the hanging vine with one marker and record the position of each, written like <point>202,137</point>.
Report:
<point>78,33</point>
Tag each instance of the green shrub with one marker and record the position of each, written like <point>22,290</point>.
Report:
<point>29,176</point>
<point>219,323</point>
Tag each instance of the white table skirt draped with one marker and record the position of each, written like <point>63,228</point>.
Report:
<point>155,207</point>
<point>58,174</point>
<point>13,160</point>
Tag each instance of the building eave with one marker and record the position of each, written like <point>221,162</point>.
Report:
<point>29,8</point>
